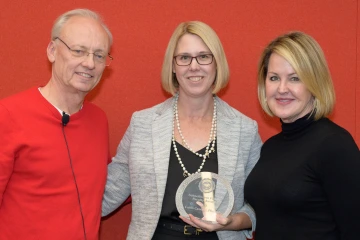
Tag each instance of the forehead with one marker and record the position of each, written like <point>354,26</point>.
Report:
<point>279,63</point>
<point>191,43</point>
<point>86,32</point>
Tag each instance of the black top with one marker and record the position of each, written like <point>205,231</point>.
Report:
<point>306,184</point>
<point>175,177</point>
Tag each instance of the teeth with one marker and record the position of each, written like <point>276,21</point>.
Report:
<point>284,100</point>
<point>195,78</point>
<point>85,75</point>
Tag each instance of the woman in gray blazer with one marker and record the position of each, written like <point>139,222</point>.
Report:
<point>194,131</point>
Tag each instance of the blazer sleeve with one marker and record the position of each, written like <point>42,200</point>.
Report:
<point>254,155</point>
<point>117,188</point>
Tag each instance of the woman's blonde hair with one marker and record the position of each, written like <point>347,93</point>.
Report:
<point>307,58</point>
<point>212,41</point>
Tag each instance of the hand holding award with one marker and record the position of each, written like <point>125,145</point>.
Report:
<point>204,195</point>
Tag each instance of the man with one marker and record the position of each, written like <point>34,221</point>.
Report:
<point>54,145</point>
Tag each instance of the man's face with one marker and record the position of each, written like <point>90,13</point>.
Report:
<point>78,74</point>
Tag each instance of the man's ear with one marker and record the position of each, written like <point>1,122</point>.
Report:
<point>51,50</point>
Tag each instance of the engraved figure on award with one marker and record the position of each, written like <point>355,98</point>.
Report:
<point>204,195</point>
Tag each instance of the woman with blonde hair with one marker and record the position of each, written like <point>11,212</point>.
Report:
<point>191,132</point>
<point>306,182</point>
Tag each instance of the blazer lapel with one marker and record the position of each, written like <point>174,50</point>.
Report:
<point>161,134</point>
<point>228,131</point>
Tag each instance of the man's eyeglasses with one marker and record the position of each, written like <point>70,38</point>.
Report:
<point>186,60</point>
<point>98,56</point>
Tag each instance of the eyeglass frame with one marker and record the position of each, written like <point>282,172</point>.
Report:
<point>212,59</point>
<point>88,53</point>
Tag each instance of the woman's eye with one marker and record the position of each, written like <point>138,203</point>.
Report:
<point>273,78</point>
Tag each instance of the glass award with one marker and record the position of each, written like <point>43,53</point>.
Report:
<point>204,195</point>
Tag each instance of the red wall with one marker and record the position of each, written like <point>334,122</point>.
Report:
<point>141,32</point>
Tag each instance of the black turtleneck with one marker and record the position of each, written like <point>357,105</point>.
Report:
<point>306,184</point>
<point>297,128</point>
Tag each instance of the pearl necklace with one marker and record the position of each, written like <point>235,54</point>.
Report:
<point>212,139</point>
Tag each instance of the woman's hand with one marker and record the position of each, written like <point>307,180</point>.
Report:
<point>221,224</point>
<point>236,221</point>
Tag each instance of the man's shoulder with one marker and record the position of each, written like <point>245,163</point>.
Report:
<point>93,107</point>
<point>21,99</point>
<point>20,96</point>
<point>94,110</point>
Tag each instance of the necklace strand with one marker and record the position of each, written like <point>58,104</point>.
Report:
<point>208,150</point>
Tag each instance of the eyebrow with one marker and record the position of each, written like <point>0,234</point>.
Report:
<point>290,74</point>
<point>87,49</point>
<point>199,53</point>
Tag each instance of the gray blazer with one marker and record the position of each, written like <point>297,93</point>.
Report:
<point>140,166</point>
